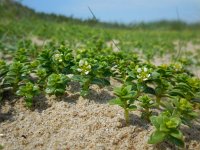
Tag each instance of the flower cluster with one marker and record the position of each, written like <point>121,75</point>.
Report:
<point>185,105</point>
<point>116,70</point>
<point>58,57</point>
<point>173,123</point>
<point>143,73</point>
<point>177,66</point>
<point>84,67</point>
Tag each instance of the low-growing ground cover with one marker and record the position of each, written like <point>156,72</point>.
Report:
<point>58,79</point>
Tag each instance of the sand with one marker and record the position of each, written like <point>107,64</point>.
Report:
<point>77,123</point>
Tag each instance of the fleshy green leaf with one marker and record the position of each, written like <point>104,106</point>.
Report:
<point>178,142</point>
<point>116,101</point>
<point>157,137</point>
<point>132,107</point>
<point>154,121</point>
<point>177,134</point>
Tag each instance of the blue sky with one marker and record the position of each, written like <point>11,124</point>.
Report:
<point>125,11</point>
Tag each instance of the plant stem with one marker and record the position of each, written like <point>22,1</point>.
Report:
<point>147,114</point>
<point>126,116</point>
<point>138,94</point>
<point>158,98</point>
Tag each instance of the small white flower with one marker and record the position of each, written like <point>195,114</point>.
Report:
<point>81,62</point>
<point>145,69</point>
<point>117,72</point>
<point>139,70</point>
<point>143,74</point>
<point>86,72</point>
<point>57,55</point>
<point>84,67</point>
<point>89,66</point>
<point>145,79</point>
<point>114,68</point>
<point>79,69</point>
<point>70,75</point>
<point>177,66</point>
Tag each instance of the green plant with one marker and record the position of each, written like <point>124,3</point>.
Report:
<point>56,84</point>
<point>57,61</point>
<point>89,72</point>
<point>59,47</point>
<point>84,68</point>
<point>3,71</point>
<point>1,147</point>
<point>125,99</point>
<point>3,68</point>
<point>182,108</point>
<point>17,72</point>
<point>42,75</point>
<point>146,104</point>
<point>28,91</point>
<point>167,129</point>
<point>21,55</point>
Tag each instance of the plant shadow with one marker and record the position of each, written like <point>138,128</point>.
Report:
<point>71,98</point>
<point>101,97</point>
<point>7,116</point>
<point>95,94</point>
<point>135,120</point>
<point>9,98</point>
<point>74,87</point>
<point>192,133</point>
<point>165,146</point>
<point>40,103</point>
